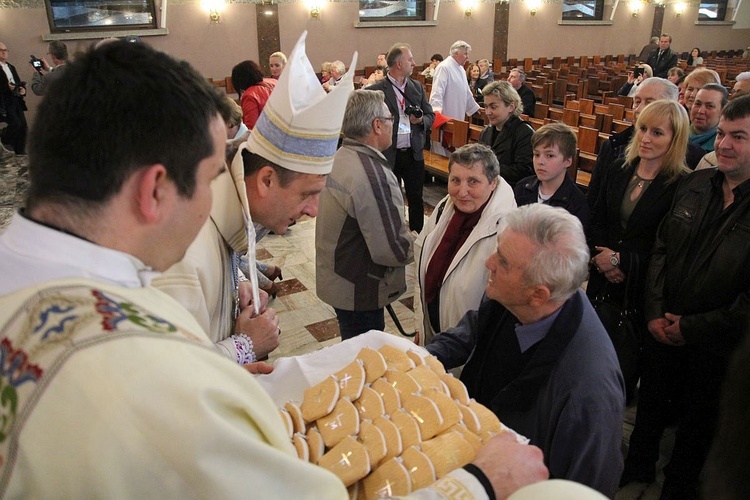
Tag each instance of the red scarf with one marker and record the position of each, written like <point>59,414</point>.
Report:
<point>459,228</point>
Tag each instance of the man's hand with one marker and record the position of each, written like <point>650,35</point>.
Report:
<point>673,332</point>
<point>259,368</point>
<point>263,330</point>
<point>510,465</point>
<point>245,291</point>
<point>416,121</point>
<point>656,328</point>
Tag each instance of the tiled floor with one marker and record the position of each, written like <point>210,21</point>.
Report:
<point>307,323</point>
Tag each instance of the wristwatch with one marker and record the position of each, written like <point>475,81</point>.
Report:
<point>614,260</point>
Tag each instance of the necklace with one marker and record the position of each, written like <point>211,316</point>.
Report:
<point>641,180</point>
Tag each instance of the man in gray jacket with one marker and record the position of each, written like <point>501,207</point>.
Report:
<point>362,241</point>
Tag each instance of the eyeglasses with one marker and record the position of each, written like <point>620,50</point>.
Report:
<point>386,118</point>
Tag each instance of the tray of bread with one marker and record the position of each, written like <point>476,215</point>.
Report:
<point>379,412</point>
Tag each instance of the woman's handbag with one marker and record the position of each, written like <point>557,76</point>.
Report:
<point>620,319</point>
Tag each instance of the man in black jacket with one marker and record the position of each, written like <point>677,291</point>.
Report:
<point>517,78</point>
<point>12,92</point>
<point>413,116</point>
<point>663,58</point>
<point>697,305</point>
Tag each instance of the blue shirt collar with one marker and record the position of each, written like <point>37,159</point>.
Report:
<point>530,334</point>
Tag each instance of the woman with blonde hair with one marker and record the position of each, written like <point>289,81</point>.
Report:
<point>635,195</point>
<point>695,81</point>
<point>507,135</point>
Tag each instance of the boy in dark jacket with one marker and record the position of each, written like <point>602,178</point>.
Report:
<point>554,148</point>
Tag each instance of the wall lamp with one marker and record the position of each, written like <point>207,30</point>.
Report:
<point>469,6</point>
<point>214,8</point>
<point>314,6</point>
<point>635,7</point>
<point>679,8</point>
<point>533,6</point>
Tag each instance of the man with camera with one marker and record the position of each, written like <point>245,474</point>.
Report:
<point>43,72</point>
<point>407,102</point>
<point>12,104</point>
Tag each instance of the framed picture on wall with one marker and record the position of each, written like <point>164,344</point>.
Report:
<point>391,10</point>
<point>67,16</point>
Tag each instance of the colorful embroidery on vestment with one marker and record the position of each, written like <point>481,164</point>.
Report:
<point>53,320</point>
<point>15,370</point>
<point>114,312</point>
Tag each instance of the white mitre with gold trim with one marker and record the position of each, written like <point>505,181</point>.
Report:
<point>300,125</point>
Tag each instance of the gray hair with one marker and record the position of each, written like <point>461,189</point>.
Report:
<point>745,75</point>
<point>339,67</point>
<point>667,89</point>
<point>472,154</point>
<point>520,72</point>
<point>362,107</point>
<point>460,45</point>
<point>654,39</point>
<point>560,261</point>
<point>395,53</point>
<point>506,93</point>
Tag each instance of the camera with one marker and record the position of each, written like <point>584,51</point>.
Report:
<point>638,72</point>
<point>414,111</point>
<point>36,63</point>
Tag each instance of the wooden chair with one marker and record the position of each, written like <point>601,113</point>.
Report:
<point>616,110</point>
<point>541,110</point>
<point>437,164</point>
<point>586,106</point>
<point>570,117</point>
<point>587,139</point>
<point>620,125</point>
<point>537,123</point>
<point>221,84</point>
<point>474,132</point>
<point>228,85</point>
<point>555,114</point>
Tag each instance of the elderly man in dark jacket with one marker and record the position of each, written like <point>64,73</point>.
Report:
<point>536,353</point>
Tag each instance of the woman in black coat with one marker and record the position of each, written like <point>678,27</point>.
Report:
<point>636,193</point>
<point>507,135</point>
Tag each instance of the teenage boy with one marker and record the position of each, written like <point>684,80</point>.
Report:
<point>554,147</point>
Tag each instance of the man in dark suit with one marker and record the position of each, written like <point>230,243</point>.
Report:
<point>405,155</point>
<point>12,92</point>
<point>517,79</point>
<point>663,58</point>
